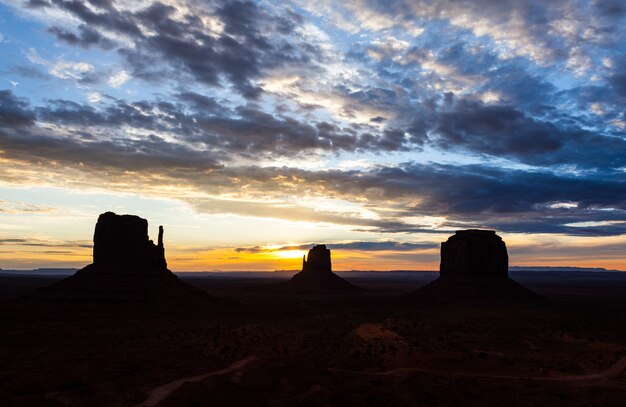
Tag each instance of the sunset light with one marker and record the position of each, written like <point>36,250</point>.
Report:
<point>275,124</point>
<point>313,203</point>
<point>290,254</point>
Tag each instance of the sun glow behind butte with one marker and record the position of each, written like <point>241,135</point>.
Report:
<point>253,130</point>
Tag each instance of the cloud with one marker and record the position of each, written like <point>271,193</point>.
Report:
<point>36,242</point>
<point>71,70</point>
<point>14,111</point>
<point>246,131</point>
<point>118,79</point>
<point>546,33</point>
<point>82,72</point>
<point>467,196</point>
<point>85,38</point>
<point>241,43</point>
<point>34,57</point>
<point>366,246</point>
<point>16,208</point>
<point>463,195</point>
<point>22,140</point>
<point>94,97</point>
<point>503,131</point>
<point>232,88</point>
<point>292,211</point>
<point>250,40</point>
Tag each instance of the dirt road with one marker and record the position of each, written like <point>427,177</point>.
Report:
<point>159,394</point>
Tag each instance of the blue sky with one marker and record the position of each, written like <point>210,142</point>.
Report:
<point>249,127</point>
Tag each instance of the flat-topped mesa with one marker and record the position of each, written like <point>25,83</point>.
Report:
<point>123,240</point>
<point>474,267</point>
<point>474,254</point>
<point>317,261</point>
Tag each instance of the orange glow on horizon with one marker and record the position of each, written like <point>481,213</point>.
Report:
<point>267,258</point>
<point>289,254</point>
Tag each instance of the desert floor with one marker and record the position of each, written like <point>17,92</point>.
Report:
<point>252,347</point>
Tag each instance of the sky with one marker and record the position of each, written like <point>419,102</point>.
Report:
<point>252,130</point>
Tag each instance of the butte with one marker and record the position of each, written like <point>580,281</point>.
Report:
<point>317,276</point>
<point>474,266</point>
<point>127,267</point>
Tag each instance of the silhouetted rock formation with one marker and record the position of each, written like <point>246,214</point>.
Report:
<point>317,276</point>
<point>123,240</point>
<point>318,261</point>
<point>127,266</point>
<point>474,264</point>
<point>474,255</point>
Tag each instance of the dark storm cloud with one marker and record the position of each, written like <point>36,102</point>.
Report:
<point>194,118</point>
<point>200,103</point>
<point>248,45</point>
<point>577,157</point>
<point>468,196</point>
<point>611,8</point>
<point>86,37</point>
<point>510,78</point>
<point>461,191</point>
<point>474,189</point>
<point>476,196</point>
<point>148,153</point>
<point>521,88</point>
<point>240,54</point>
<point>525,125</point>
<point>20,139</point>
<point>504,131</point>
<point>14,112</point>
<point>110,18</point>
<point>526,22</point>
<point>154,115</point>
<point>542,36</point>
<point>463,63</point>
<point>255,40</point>
<point>465,190</point>
<point>253,131</point>
<point>473,63</point>
<point>496,130</point>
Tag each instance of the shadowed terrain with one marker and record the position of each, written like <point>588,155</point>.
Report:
<point>324,350</point>
<point>258,347</point>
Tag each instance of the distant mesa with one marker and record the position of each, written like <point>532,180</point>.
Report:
<point>474,255</point>
<point>318,262</point>
<point>123,240</point>
<point>474,265</point>
<point>127,266</point>
<point>317,276</point>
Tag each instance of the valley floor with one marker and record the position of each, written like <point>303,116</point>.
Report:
<point>253,348</point>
